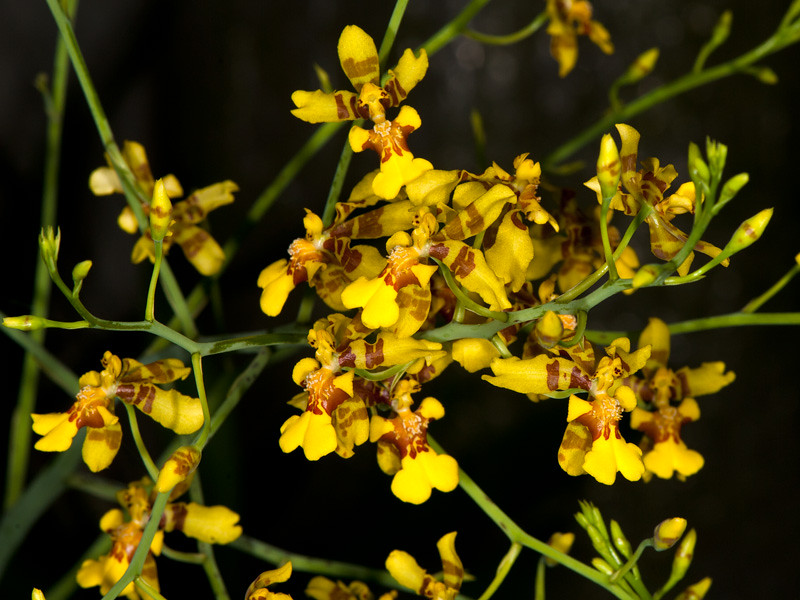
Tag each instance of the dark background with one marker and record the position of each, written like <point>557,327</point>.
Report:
<point>205,87</point>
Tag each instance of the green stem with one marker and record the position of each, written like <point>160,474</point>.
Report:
<point>308,564</point>
<point>147,589</point>
<point>517,535</point>
<point>20,429</point>
<point>152,470</point>
<point>137,561</point>
<point>339,175</point>
<point>683,84</point>
<point>503,568</point>
<point>454,27</point>
<point>631,562</point>
<point>197,369</point>
<point>509,38</point>
<point>467,302</point>
<point>391,32</point>
<point>149,310</point>
<point>210,562</point>
<point>757,302</point>
<point>612,267</point>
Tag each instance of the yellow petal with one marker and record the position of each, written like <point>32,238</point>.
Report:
<point>101,446</point>
<point>358,57</point>
<point>313,432</point>
<point>58,432</point>
<point>210,524</point>
<point>104,181</point>
<point>406,75</point>
<point>322,107</point>
<point>474,354</point>
<point>402,566</point>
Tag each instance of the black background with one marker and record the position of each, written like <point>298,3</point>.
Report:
<point>205,87</point>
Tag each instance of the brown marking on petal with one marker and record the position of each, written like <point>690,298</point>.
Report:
<point>552,375</point>
<point>102,435</point>
<point>357,69</point>
<point>628,161</point>
<point>369,225</point>
<point>373,354</point>
<point>177,517</point>
<point>349,258</point>
<point>344,229</point>
<point>464,263</point>
<point>452,571</point>
<point>579,379</point>
<point>439,251</point>
<point>342,111</point>
<point>396,92</point>
<point>516,220</point>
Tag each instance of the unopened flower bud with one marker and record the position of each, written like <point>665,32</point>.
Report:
<point>80,271</point>
<point>621,543</point>
<point>179,466</point>
<point>749,231</point>
<point>668,532</point>
<point>642,66</point>
<point>764,75</point>
<point>160,212</point>
<point>645,276</point>
<point>561,542</point>
<point>602,566</point>
<point>722,29</point>
<point>37,594</point>
<point>698,168</point>
<point>732,187</point>
<point>24,322</point>
<point>49,243</point>
<point>683,555</point>
<point>609,168</point>
<point>697,591</point>
<point>548,330</point>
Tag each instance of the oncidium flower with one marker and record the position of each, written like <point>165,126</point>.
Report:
<point>592,442</point>
<point>402,566</point>
<point>210,524</point>
<point>568,20</point>
<point>202,250</point>
<point>670,394</point>
<point>416,467</point>
<point>135,384</point>
<point>646,187</point>
<point>359,59</point>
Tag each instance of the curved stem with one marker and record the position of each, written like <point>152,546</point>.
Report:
<point>509,38</point>
<point>454,27</point>
<point>151,467</point>
<point>197,369</point>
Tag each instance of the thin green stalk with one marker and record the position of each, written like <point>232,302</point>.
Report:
<point>759,301</point>
<point>666,91</point>
<point>453,28</point>
<point>210,562</point>
<point>20,430</point>
<point>517,535</point>
<point>132,193</point>
<point>391,31</point>
<point>238,388</point>
<point>308,564</point>
<point>337,183</point>
<point>467,302</point>
<point>149,310</point>
<point>509,38</point>
<point>612,267</point>
<point>147,589</point>
<point>539,586</point>
<point>503,569</point>
<point>151,467</point>
<point>137,561</point>
<point>197,369</point>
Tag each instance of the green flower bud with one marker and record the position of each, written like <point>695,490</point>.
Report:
<point>668,532</point>
<point>732,187</point>
<point>717,155</point>
<point>764,75</point>
<point>722,29</point>
<point>609,168</point>
<point>49,243</point>
<point>645,276</point>
<point>602,566</point>
<point>80,271</point>
<point>24,322</point>
<point>698,169</point>
<point>160,212</point>
<point>621,543</point>
<point>642,66</point>
<point>748,232</point>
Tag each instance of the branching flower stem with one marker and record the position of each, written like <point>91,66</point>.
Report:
<point>517,535</point>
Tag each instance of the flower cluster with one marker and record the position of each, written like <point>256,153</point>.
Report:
<point>133,383</point>
<point>472,248</point>
<point>200,248</point>
<point>210,524</point>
